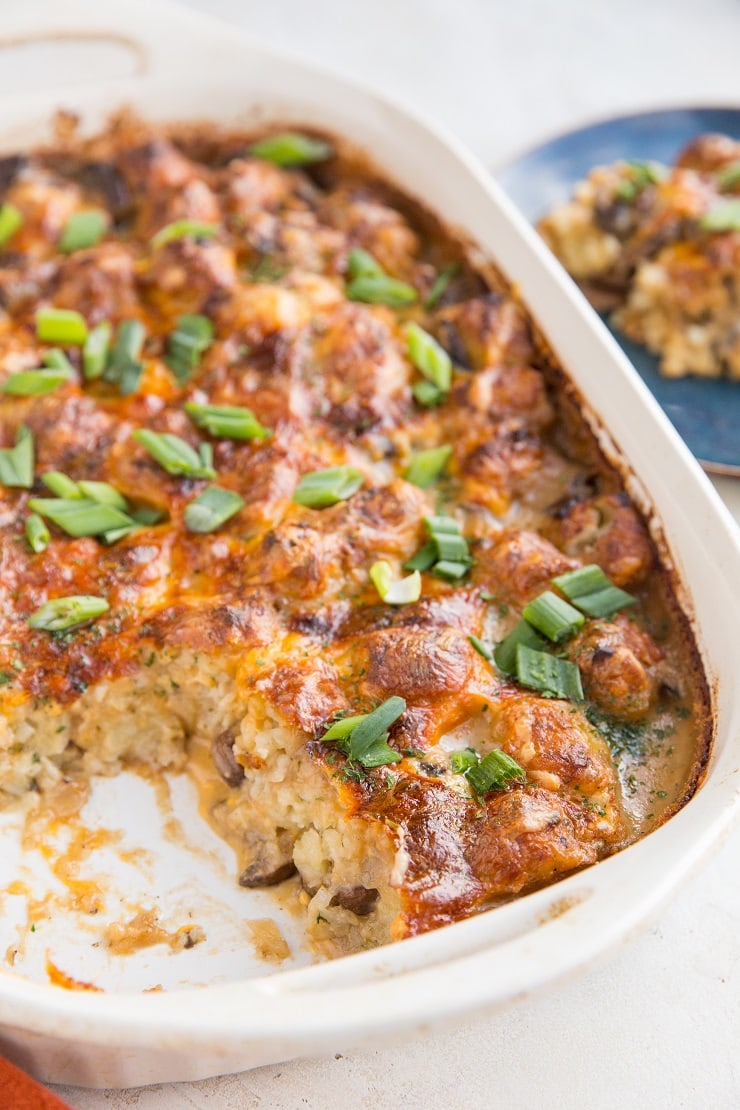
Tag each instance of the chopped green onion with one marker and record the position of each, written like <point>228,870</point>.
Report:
<point>37,533</point>
<point>178,229</point>
<point>481,648</point>
<point>124,368</point>
<point>424,558</point>
<point>548,674</point>
<point>61,325</point>
<point>146,515</point>
<point>461,762</point>
<point>451,548</point>
<point>552,616</point>
<point>80,516</point>
<point>426,466</point>
<point>16,463</point>
<point>61,485</point>
<point>67,612</point>
<point>212,508</point>
<point>192,336</point>
<point>10,222</point>
<point>727,178</point>
<point>447,551</point>
<point>365,741</point>
<point>103,493</point>
<point>428,395</point>
<point>290,148</point>
<point>451,569</point>
<point>725,217</point>
<point>429,357</point>
<point>604,603</point>
<point>399,591</point>
<point>32,383</point>
<point>227,421</point>
<point>321,488</point>
<point>591,591</point>
<point>115,534</point>
<point>641,174</point>
<point>342,727</point>
<point>381,289</point>
<point>83,229</point>
<point>494,772</point>
<point>504,654</point>
<point>95,350</point>
<point>174,454</point>
<point>441,282</point>
<point>444,525</point>
<point>361,263</point>
<point>55,359</point>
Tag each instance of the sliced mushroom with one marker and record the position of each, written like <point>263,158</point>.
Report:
<point>357,899</point>
<point>224,760</point>
<point>260,874</point>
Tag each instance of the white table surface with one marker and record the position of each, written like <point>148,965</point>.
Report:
<point>659,1025</point>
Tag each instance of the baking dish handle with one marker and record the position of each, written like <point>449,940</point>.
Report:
<point>156,37</point>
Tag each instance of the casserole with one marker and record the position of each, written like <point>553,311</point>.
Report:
<point>229,1027</point>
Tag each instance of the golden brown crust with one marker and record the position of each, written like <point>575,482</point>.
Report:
<point>281,590</point>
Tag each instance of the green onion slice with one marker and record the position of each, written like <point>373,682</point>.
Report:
<point>83,229</point>
<point>424,559</point>
<point>429,357</point>
<point>441,282</point>
<point>342,727</point>
<point>481,648</point>
<point>364,739</point>
<point>103,493</point>
<point>16,463</point>
<point>175,455</point>
<point>32,383</point>
<point>428,395</point>
<point>548,674</point>
<point>11,220</point>
<point>227,421</point>
<point>179,229</point>
<point>61,325</point>
<point>67,612</point>
<point>321,488</point>
<point>552,616</point>
<point>442,525</point>
<point>447,551</point>
<point>123,367</point>
<point>360,263</point>
<point>504,654</point>
<point>495,772</point>
<point>190,339</point>
<point>398,591</point>
<point>37,533</point>
<point>461,762</point>
<point>55,359</point>
<point>426,466</point>
<point>95,350</point>
<point>725,217</point>
<point>451,569</point>
<point>589,589</point>
<point>80,516</point>
<point>640,175</point>
<point>290,148</point>
<point>212,508</point>
<point>727,178</point>
<point>61,485</point>
<point>381,289</point>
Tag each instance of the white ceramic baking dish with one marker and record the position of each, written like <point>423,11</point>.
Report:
<point>187,66</point>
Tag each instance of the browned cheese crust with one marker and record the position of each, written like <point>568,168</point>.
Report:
<point>281,590</point>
